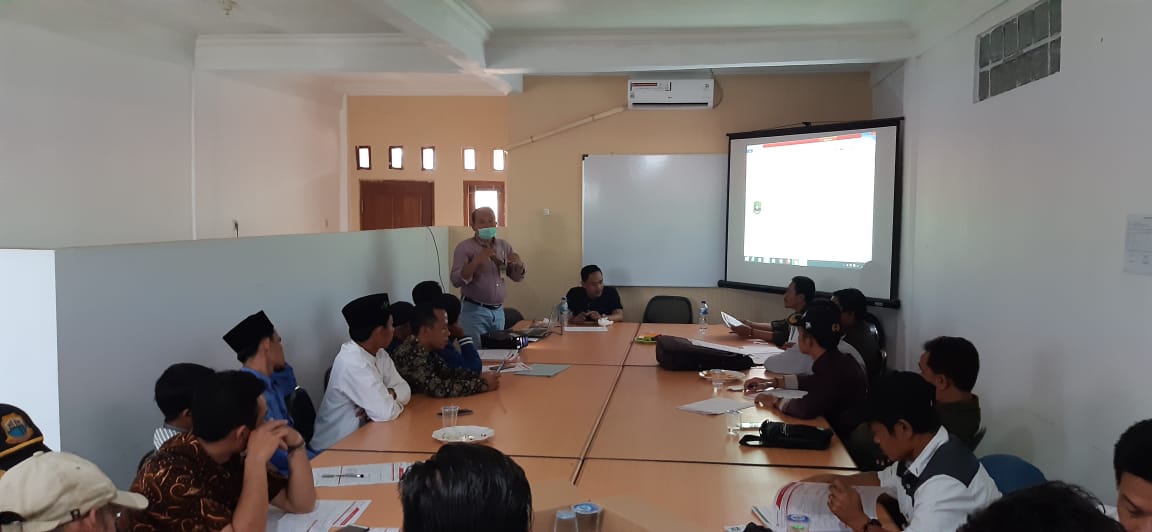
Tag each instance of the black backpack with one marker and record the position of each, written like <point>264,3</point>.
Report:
<point>678,354</point>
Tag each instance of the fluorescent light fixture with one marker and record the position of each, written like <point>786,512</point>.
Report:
<point>363,157</point>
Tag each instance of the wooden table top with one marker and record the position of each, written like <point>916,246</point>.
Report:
<point>532,416</point>
<point>385,509</point>
<point>605,348</point>
<point>645,354</point>
<point>642,422</point>
<point>709,495</point>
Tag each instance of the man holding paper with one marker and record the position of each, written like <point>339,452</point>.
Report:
<point>800,292</point>
<point>937,480</point>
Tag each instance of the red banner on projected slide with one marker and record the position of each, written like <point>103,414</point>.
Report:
<point>810,141</point>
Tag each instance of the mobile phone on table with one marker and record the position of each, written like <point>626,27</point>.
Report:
<point>353,528</point>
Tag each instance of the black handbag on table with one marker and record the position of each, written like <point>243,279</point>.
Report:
<point>787,436</point>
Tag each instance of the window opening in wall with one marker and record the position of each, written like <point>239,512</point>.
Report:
<point>1020,50</point>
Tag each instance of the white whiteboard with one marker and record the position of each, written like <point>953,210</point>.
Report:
<point>656,220</point>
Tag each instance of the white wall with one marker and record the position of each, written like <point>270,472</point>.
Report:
<point>28,337</point>
<point>266,158</point>
<point>94,144</point>
<point>1017,235</point>
<point>127,312</point>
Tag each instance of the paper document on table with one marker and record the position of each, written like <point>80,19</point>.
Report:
<point>730,321</point>
<point>763,353</point>
<point>715,405</point>
<point>585,328</point>
<point>510,368</point>
<point>752,350</point>
<point>544,370</point>
<point>326,516</point>
<point>785,393</point>
<point>496,354</point>
<point>359,475</point>
<point>811,499</point>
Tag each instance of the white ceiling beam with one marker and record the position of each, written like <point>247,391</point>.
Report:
<point>646,50</point>
<point>939,19</point>
<point>318,53</point>
<point>448,26</point>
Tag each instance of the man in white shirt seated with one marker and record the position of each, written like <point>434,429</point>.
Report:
<point>1132,461</point>
<point>364,385</point>
<point>938,481</point>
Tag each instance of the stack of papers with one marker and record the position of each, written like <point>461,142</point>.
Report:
<point>359,475</point>
<point>496,354</point>
<point>715,405</point>
<point>326,516</point>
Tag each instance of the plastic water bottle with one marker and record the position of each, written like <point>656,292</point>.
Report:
<point>703,317</point>
<point>564,313</point>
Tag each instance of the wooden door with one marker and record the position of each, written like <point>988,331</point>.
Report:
<point>395,204</point>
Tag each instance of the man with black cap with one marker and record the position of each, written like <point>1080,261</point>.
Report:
<point>363,376</point>
<point>937,479</point>
<point>259,347</point>
<point>837,382</point>
<point>19,437</point>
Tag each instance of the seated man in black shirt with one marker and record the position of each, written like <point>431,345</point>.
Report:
<point>592,300</point>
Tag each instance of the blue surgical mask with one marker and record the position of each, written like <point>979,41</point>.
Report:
<point>486,233</point>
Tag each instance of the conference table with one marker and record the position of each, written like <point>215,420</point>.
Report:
<point>609,424</point>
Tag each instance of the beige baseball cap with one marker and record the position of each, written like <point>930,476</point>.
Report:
<point>52,489</point>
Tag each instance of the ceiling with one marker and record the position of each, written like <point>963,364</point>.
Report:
<point>487,46</point>
<point>667,14</point>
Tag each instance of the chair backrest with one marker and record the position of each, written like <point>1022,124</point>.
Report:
<point>876,330</point>
<point>1012,473</point>
<point>303,412</point>
<point>668,309</point>
<point>511,318</point>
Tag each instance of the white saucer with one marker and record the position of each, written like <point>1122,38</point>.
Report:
<point>463,433</point>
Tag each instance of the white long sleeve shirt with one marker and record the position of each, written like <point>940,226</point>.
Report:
<point>941,502</point>
<point>359,379</point>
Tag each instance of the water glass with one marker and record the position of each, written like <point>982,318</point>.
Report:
<point>588,516</point>
<point>565,521</point>
<point>718,382</point>
<point>732,419</point>
<point>448,415</point>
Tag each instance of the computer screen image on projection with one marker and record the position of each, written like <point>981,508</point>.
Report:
<point>818,201</point>
<point>835,234</point>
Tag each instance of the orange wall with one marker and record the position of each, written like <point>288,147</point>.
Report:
<point>547,174</point>
<point>448,123</point>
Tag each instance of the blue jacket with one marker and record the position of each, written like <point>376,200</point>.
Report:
<point>277,389</point>
<point>467,357</point>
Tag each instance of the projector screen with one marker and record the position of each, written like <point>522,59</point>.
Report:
<point>819,201</point>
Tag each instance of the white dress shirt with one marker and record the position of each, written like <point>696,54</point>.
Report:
<point>362,380</point>
<point>942,503</point>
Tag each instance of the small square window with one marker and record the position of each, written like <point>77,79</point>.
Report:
<point>997,44</point>
<point>1054,57</point>
<point>1054,12</point>
<point>396,157</point>
<point>985,49</point>
<point>363,157</point>
<point>982,93</point>
<point>469,158</point>
<point>1040,21</point>
<point>428,158</point>
<point>1025,29</point>
<point>1011,39</point>
<point>498,160</point>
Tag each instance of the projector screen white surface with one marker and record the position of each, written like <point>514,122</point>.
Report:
<point>819,202</point>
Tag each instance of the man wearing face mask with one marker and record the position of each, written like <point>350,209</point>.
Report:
<point>478,268</point>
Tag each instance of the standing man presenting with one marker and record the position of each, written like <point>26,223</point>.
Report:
<point>478,268</point>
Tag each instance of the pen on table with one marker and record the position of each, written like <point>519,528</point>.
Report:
<point>345,475</point>
<point>502,364</point>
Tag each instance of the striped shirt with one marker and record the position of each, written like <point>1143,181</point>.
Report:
<point>164,434</point>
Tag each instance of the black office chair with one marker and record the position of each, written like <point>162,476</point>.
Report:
<point>511,318</point>
<point>876,330</point>
<point>668,309</point>
<point>303,412</point>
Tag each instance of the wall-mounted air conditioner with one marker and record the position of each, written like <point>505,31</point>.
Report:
<point>670,93</point>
